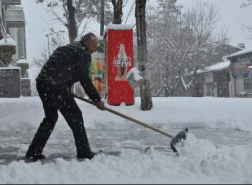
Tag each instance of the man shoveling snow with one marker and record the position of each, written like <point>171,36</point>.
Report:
<point>67,65</point>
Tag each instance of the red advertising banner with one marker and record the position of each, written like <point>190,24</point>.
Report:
<point>241,70</point>
<point>119,61</point>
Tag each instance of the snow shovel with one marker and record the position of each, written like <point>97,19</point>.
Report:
<point>177,139</point>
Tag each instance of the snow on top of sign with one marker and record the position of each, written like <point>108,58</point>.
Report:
<point>136,73</point>
<point>244,51</point>
<point>97,55</point>
<point>250,67</point>
<point>119,27</point>
<point>22,61</point>
<point>215,67</point>
<point>10,42</point>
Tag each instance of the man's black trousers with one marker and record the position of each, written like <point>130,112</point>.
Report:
<point>56,98</point>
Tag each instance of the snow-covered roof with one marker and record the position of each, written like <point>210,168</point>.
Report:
<point>97,55</point>
<point>10,42</point>
<point>119,27</point>
<point>242,52</point>
<point>23,61</point>
<point>215,67</point>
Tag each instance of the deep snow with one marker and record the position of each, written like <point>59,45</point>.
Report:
<point>200,160</point>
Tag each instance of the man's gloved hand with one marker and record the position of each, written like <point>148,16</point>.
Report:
<point>100,105</point>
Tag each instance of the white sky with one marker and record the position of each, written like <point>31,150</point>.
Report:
<point>38,22</point>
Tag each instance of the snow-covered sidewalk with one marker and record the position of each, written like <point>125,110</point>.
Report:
<point>200,162</point>
<point>26,113</point>
<point>225,157</point>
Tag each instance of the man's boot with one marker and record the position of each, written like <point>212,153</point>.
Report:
<point>86,155</point>
<point>34,154</point>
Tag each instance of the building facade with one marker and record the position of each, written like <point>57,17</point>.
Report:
<point>231,78</point>
<point>15,27</point>
<point>213,81</point>
<point>241,73</point>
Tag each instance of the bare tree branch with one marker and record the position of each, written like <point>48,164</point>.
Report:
<point>245,5</point>
<point>131,9</point>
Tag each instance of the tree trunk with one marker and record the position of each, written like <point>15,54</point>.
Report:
<point>72,25</point>
<point>102,18</point>
<point>145,89</point>
<point>117,11</point>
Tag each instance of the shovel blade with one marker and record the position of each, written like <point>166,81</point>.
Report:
<point>177,139</point>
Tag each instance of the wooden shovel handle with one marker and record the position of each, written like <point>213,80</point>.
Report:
<point>127,117</point>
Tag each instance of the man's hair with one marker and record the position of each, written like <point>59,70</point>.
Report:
<point>88,37</point>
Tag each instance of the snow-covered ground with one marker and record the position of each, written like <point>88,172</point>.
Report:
<point>25,114</point>
<point>201,160</point>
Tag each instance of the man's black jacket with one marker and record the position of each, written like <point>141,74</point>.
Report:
<point>67,65</point>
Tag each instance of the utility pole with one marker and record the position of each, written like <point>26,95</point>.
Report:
<point>102,18</point>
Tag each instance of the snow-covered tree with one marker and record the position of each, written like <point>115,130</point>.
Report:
<point>56,40</point>
<point>75,15</point>
<point>179,44</point>
<point>248,3</point>
<point>248,28</point>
